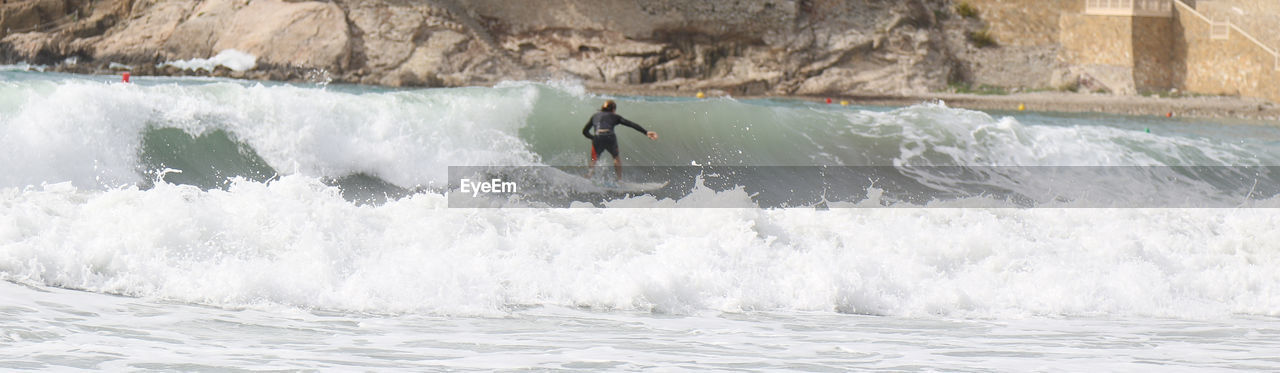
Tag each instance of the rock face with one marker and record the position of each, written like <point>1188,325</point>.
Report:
<point>309,34</point>
<point>743,47</point>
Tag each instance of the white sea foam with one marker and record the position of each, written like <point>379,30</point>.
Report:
<point>231,58</point>
<point>45,329</point>
<point>297,243</point>
<point>23,66</point>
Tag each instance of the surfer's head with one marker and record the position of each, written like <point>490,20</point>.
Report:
<point>609,106</point>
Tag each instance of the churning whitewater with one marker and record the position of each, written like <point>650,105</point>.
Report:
<point>252,195</point>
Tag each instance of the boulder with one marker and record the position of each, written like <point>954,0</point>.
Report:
<point>301,34</point>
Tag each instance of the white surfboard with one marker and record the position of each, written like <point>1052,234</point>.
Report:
<point>624,186</point>
<point>577,183</point>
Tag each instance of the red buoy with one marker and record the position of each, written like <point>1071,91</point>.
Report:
<point>828,100</point>
<point>126,77</point>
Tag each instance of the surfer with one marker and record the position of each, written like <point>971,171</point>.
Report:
<point>604,138</point>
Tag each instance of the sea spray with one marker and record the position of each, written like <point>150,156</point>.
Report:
<point>296,242</point>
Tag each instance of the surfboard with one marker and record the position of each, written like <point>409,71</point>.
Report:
<point>560,180</point>
<point>624,186</point>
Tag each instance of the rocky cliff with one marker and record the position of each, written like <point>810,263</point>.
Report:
<point>739,46</point>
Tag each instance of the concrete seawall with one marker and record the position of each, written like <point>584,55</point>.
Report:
<point>1170,51</point>
<point>1232,66</point>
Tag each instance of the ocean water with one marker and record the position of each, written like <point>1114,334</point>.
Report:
<point>209,224</point>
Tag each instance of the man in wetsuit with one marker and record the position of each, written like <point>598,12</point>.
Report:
<point>605,139</point>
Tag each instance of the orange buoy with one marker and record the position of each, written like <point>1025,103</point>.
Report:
<point>125,77</point>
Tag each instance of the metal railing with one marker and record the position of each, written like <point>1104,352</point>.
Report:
<point>1154,8</point>
<point>1222,31</point>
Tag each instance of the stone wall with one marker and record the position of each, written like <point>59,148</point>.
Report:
<point>1235,66</point>
<point>1146,54</point>
<point>1153,53</point>
<point>1022,22</point>
<point>1097,40</point>
<point>1101,49</point>
<point>1159,53</point>
<point>1256,17</point>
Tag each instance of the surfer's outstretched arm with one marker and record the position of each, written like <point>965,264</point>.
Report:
<point>652,135</point>
<point>628,123</point>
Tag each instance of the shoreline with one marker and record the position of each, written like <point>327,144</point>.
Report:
<point>1205,107</point>
<point>753,49</point>
<point>1208,107</point>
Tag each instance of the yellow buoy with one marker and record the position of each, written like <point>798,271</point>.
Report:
<point>844,103</point>
<point>1022,107</point>
<point>701,95</point>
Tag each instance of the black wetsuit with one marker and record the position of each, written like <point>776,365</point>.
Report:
<point>605,138</point>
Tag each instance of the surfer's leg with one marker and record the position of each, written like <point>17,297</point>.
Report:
<point>606,143</point>
<point>611,145</point>
<point>617,167</point>
<point>591,165</point>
